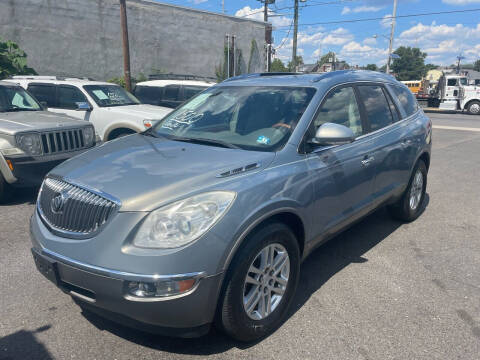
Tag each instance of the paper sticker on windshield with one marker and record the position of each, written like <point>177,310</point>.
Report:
<point>263,140</point>
<point>100,94</point>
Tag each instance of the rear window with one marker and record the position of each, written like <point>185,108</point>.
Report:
<point>406,98</point>
<point>191,91</point>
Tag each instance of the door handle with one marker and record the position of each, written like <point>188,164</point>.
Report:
<point>367,160</point>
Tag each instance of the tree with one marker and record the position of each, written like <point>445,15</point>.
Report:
<point>476,65</point>
<point>410,65</point>
<point>121,80</point>
<point>429,67</point>
<point>326,58</point>
<point>372,67</point>
<point>278,66</point>
<point>13,60</point>
<point>299,61</point>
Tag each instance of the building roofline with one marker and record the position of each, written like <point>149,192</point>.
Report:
<point>158,3</point>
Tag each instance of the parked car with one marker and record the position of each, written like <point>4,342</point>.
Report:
<point>112,110</point>
<point>33,141</point>
<point>207,216</point>
<point>169,92</point>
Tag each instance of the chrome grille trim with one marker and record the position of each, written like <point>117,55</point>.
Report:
<point>85,211</point>
<point>60,141</point>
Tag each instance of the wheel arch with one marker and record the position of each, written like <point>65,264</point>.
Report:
<point>469,102</point>
<point>425,157</point>
<point>118,128</point>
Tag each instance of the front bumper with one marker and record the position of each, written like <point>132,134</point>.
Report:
<point>104,291</point>
<point>30,170</point>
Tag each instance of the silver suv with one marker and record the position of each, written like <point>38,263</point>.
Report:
<point>33,141</point>
<point>207,216</point>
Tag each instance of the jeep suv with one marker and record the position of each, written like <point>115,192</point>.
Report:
<point>207,216</point>
<point>32,140</point>
<point>112,110</point>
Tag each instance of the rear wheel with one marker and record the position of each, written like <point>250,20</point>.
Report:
<point>260,284</point>
<point>474,107</point>
<point>410,205</point>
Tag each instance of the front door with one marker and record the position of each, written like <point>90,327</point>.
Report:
<point>343,174</point>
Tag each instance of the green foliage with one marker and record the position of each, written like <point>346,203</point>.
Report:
<point>429,67</point>
<point>278,66</point>
<point>13,60</point>
<point>372,67</point>
<point>121,80</point>
<point>411,65</point>
<point>326,58</point>
<point>476,65</point>
<point>292,67</point>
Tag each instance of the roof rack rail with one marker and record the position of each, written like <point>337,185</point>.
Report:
<point>251,75</point>
<point>49,77</point>
<point>180,77</point>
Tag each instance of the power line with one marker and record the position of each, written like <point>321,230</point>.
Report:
<point>387,17</point>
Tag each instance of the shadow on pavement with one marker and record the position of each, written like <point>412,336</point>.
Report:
<point>23,345</point>
<point>20,196</point>
<point>348,247</point>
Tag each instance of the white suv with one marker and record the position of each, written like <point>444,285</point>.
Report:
<point>169,92</point>
<point>112,110</point>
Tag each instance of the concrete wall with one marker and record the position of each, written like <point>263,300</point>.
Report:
<point>83,37</point>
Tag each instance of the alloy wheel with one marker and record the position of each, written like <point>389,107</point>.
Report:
<point>416,190</point>
<point>266,281</point>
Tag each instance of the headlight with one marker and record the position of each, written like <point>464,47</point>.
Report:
<point>184,221</point>
<point>88,136</point>
<point>30,143</point>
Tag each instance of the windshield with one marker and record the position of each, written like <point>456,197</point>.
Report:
<point>463,81</point>
<point>15,98</point>
<point>253,118</point>
<point>110,95</point>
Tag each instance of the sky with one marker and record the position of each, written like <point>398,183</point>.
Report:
<point>442,36</point>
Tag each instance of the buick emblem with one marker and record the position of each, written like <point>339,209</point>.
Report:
<point>58,202</point>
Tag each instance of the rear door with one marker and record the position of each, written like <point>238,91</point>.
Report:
<point>171,96</point>
<point>344,174</point>
<point>44,93</point>
<point>389,139</point>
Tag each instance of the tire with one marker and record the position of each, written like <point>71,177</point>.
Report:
<point>5,190</point>
<point>474,108</point>
<point>232,316</point>
<point>411,204</point>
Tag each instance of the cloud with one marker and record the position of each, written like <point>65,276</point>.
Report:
<point>442,42</point>
<point>370,41</point>
<point>386,22</point>
<point>357,54</point>
<point>461,2</point>
<point>257,14</point>
<point>360,9</point>
<point>196,2</point>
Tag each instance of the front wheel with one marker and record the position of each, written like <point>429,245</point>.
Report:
<point>260,284</point>
<point>474,108</point>
<point>410,205</point>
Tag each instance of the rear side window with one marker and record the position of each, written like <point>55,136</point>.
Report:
<point>149,94</point>
<point>393,108</point>
<point>68,97</point>
<point>376,106</point>
<point>340,107</point>
<point>191,91</point>
<point>43,93</point>
<point>171,92</point>
<point>406,98</point>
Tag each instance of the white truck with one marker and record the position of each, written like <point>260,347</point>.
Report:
<point>453,92</point>
<point>112,110</point>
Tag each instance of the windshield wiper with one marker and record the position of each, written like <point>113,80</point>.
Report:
<point>204,141</point>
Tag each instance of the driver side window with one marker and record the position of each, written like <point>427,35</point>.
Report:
<point>340,107</point>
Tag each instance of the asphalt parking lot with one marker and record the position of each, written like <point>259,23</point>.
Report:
<point>381,290</point>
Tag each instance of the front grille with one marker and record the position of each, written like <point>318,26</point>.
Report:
<point>55,142</point>
<point>74,211</point>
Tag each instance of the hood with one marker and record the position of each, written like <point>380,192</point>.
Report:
<point>21,121</point>
<point>145,172</point>
<point>142,111</point>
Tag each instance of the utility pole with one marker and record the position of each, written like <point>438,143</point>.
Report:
<point>392,32</point>
<point>126,47</point>
<point>295,32</point>
<point>268,33</point>
<point>223,6</point>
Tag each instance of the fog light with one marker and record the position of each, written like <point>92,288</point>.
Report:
<point>158,289</point>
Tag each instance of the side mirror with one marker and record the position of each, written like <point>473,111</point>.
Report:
<point>83,106</point>
<point>333,134</point>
